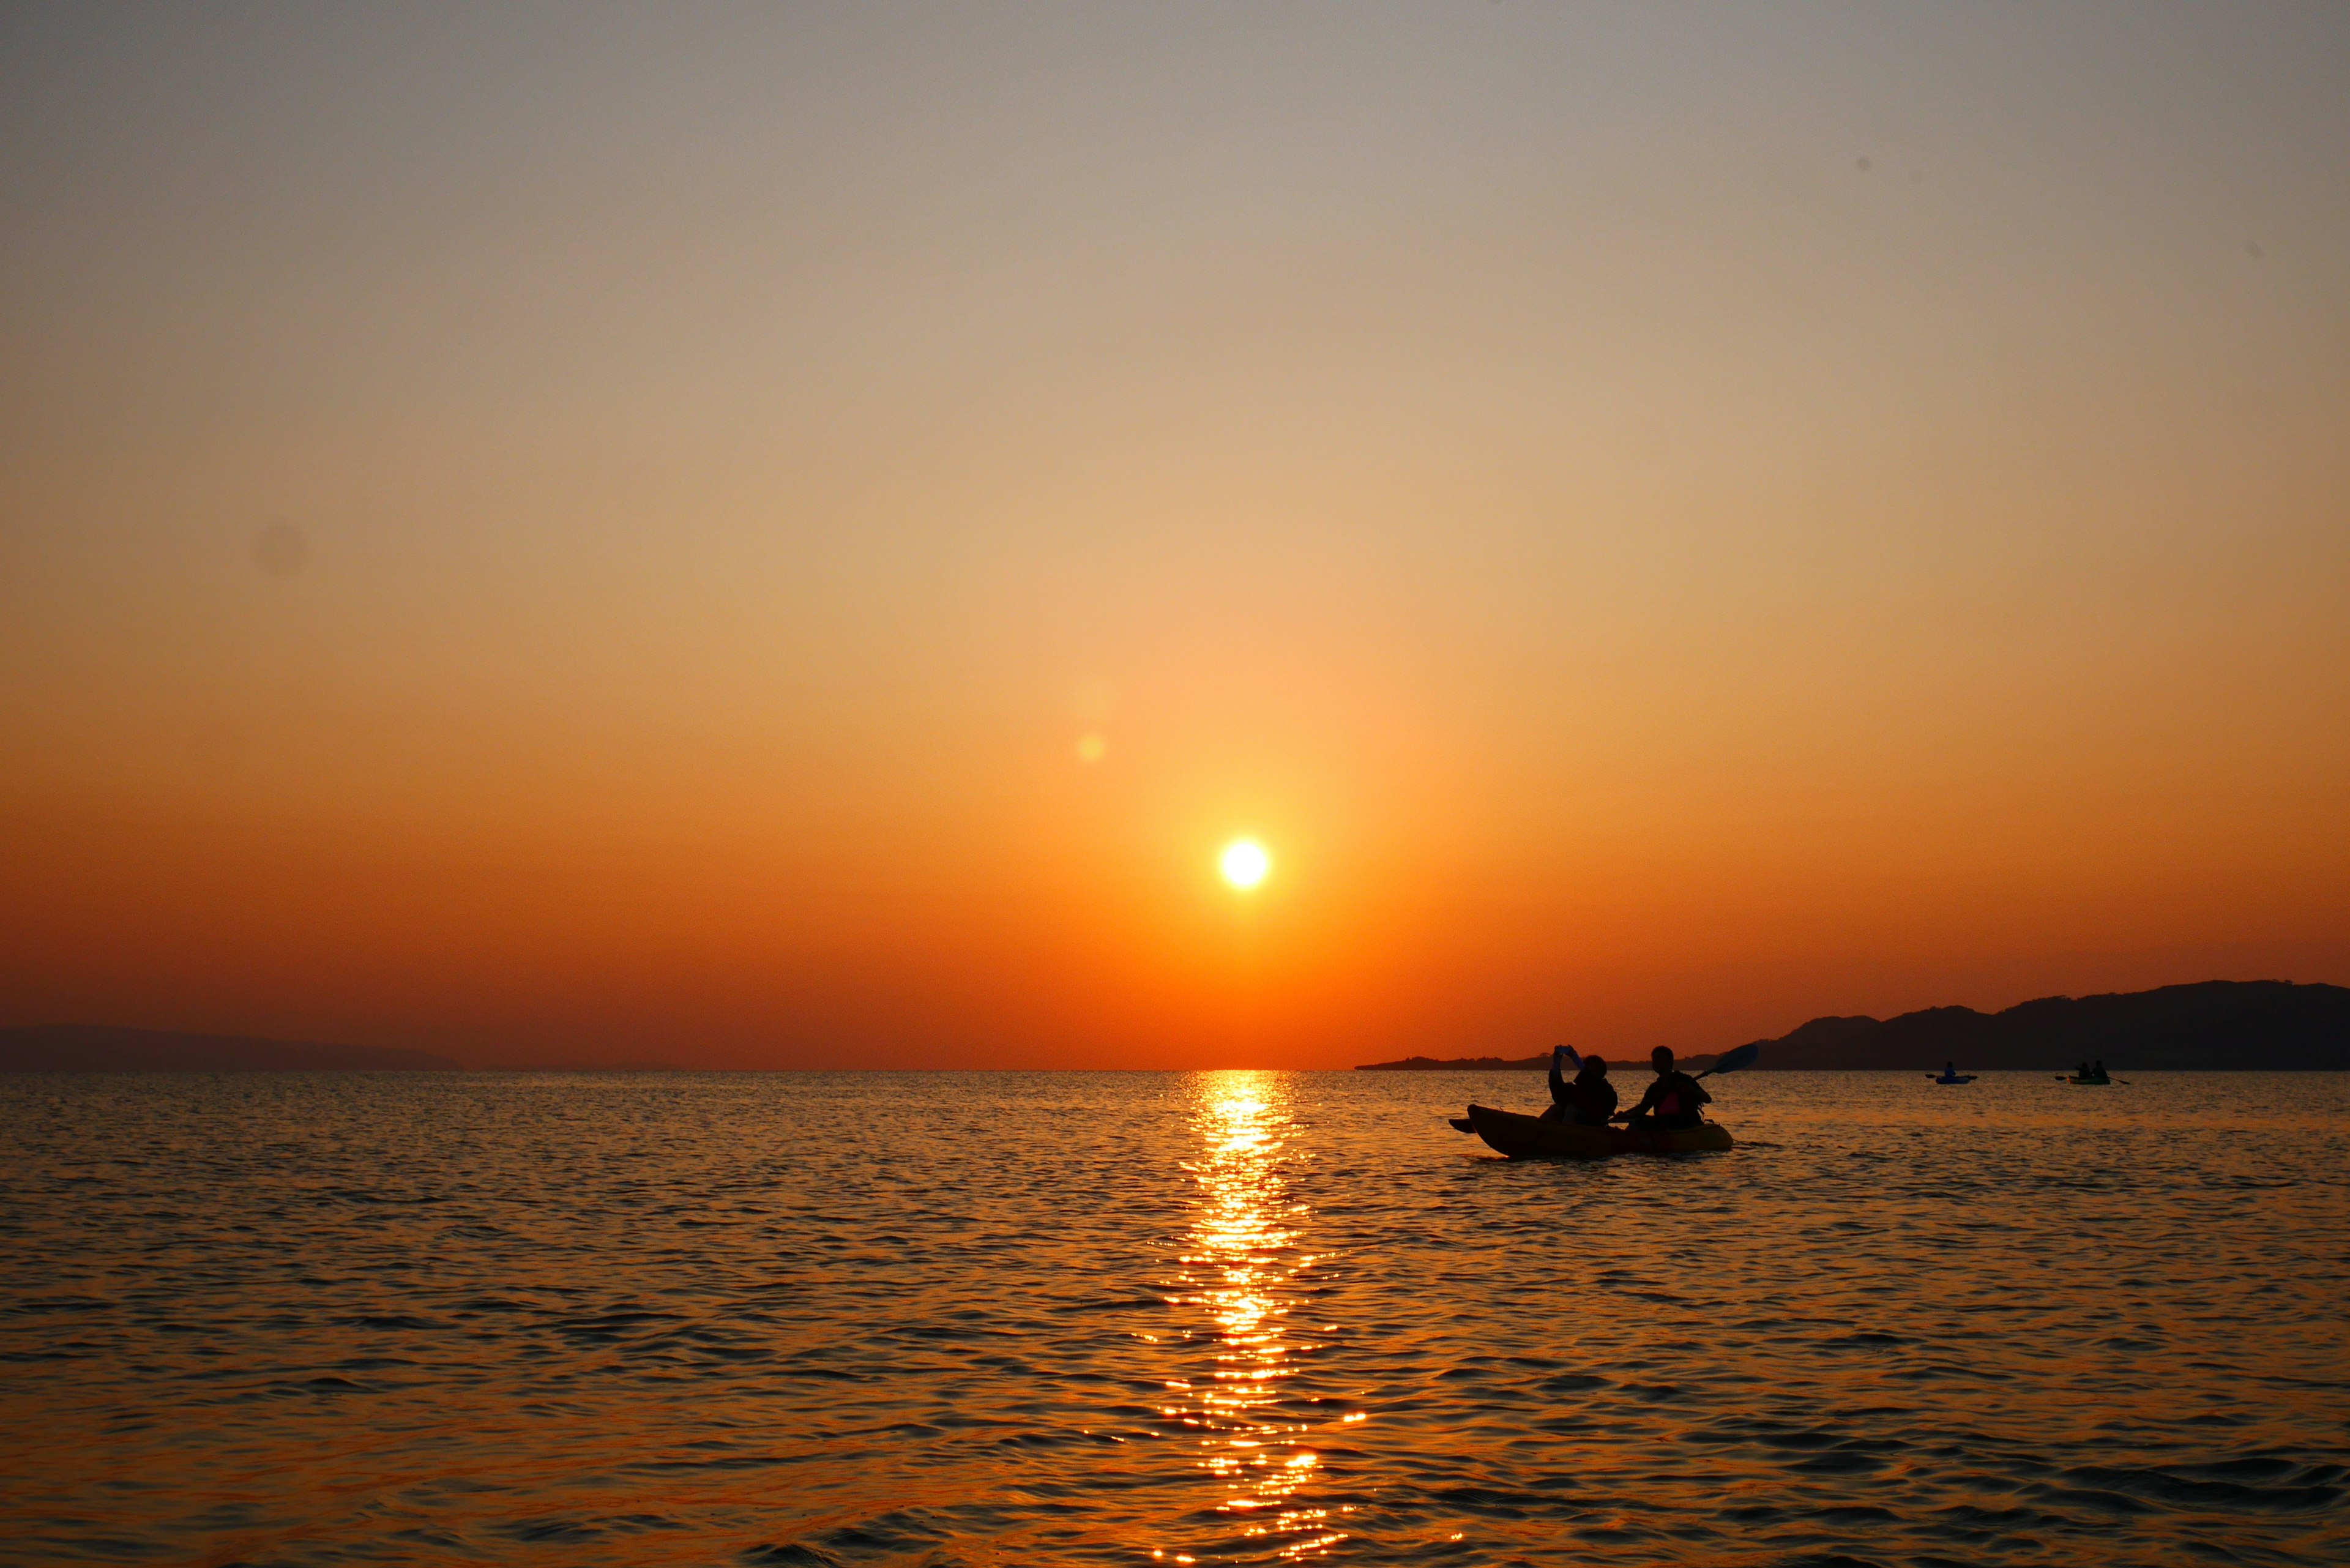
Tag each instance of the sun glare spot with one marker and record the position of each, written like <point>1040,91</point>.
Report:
<point>1245,863</point>
<point>1092,749</point>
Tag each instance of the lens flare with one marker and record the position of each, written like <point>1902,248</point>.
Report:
<point>1245,863</point>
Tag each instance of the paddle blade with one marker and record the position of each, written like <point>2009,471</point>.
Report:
<point>1463,1124</point>
<point>1732,1060</point>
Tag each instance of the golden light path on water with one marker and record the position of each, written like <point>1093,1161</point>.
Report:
<point>1241,1268</point>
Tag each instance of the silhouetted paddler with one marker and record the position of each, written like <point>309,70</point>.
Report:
<point>1674,1100</point>
<point>1589,1101</point>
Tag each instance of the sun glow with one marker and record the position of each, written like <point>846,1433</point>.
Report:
<point>1245,863</point>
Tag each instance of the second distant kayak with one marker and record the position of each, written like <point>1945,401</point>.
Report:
<point>1530,1138</point>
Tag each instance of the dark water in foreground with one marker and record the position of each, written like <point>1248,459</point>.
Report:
<point>1133,1319</point>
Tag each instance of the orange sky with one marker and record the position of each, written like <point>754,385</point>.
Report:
<point>555,536</point>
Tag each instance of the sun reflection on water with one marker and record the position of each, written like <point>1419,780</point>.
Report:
<point>1241,1267</point>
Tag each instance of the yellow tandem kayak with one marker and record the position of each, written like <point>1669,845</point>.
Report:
<point>1530,1138</point>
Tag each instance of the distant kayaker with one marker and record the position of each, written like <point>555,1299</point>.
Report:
<point>1674,1100</point>
<point>1588,1101</point>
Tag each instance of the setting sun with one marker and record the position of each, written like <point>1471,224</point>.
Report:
<point>1245,863</point>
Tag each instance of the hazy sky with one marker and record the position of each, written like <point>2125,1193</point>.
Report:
<point>782,536</point>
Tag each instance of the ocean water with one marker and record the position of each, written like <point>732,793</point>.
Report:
<point>1138,1319</point>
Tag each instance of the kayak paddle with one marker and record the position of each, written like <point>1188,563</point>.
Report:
<point>1731,1060</point>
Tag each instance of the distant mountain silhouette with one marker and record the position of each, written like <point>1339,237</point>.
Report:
<point>2252,1025</point>
<point>95,1048</point>
<point>2258,1025</point>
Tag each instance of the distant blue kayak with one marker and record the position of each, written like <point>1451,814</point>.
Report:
<point>1951,1077</point>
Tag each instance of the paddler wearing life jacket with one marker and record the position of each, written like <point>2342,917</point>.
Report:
<point>1674,1100</point>
<point>1586,1101</point>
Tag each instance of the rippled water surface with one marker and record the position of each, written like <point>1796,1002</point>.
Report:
<point>1040,1319</point>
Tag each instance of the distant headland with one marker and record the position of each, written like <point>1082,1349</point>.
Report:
<point>1697,1064</point>
<point>2261,1025</point>
<point>97,1048</point>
